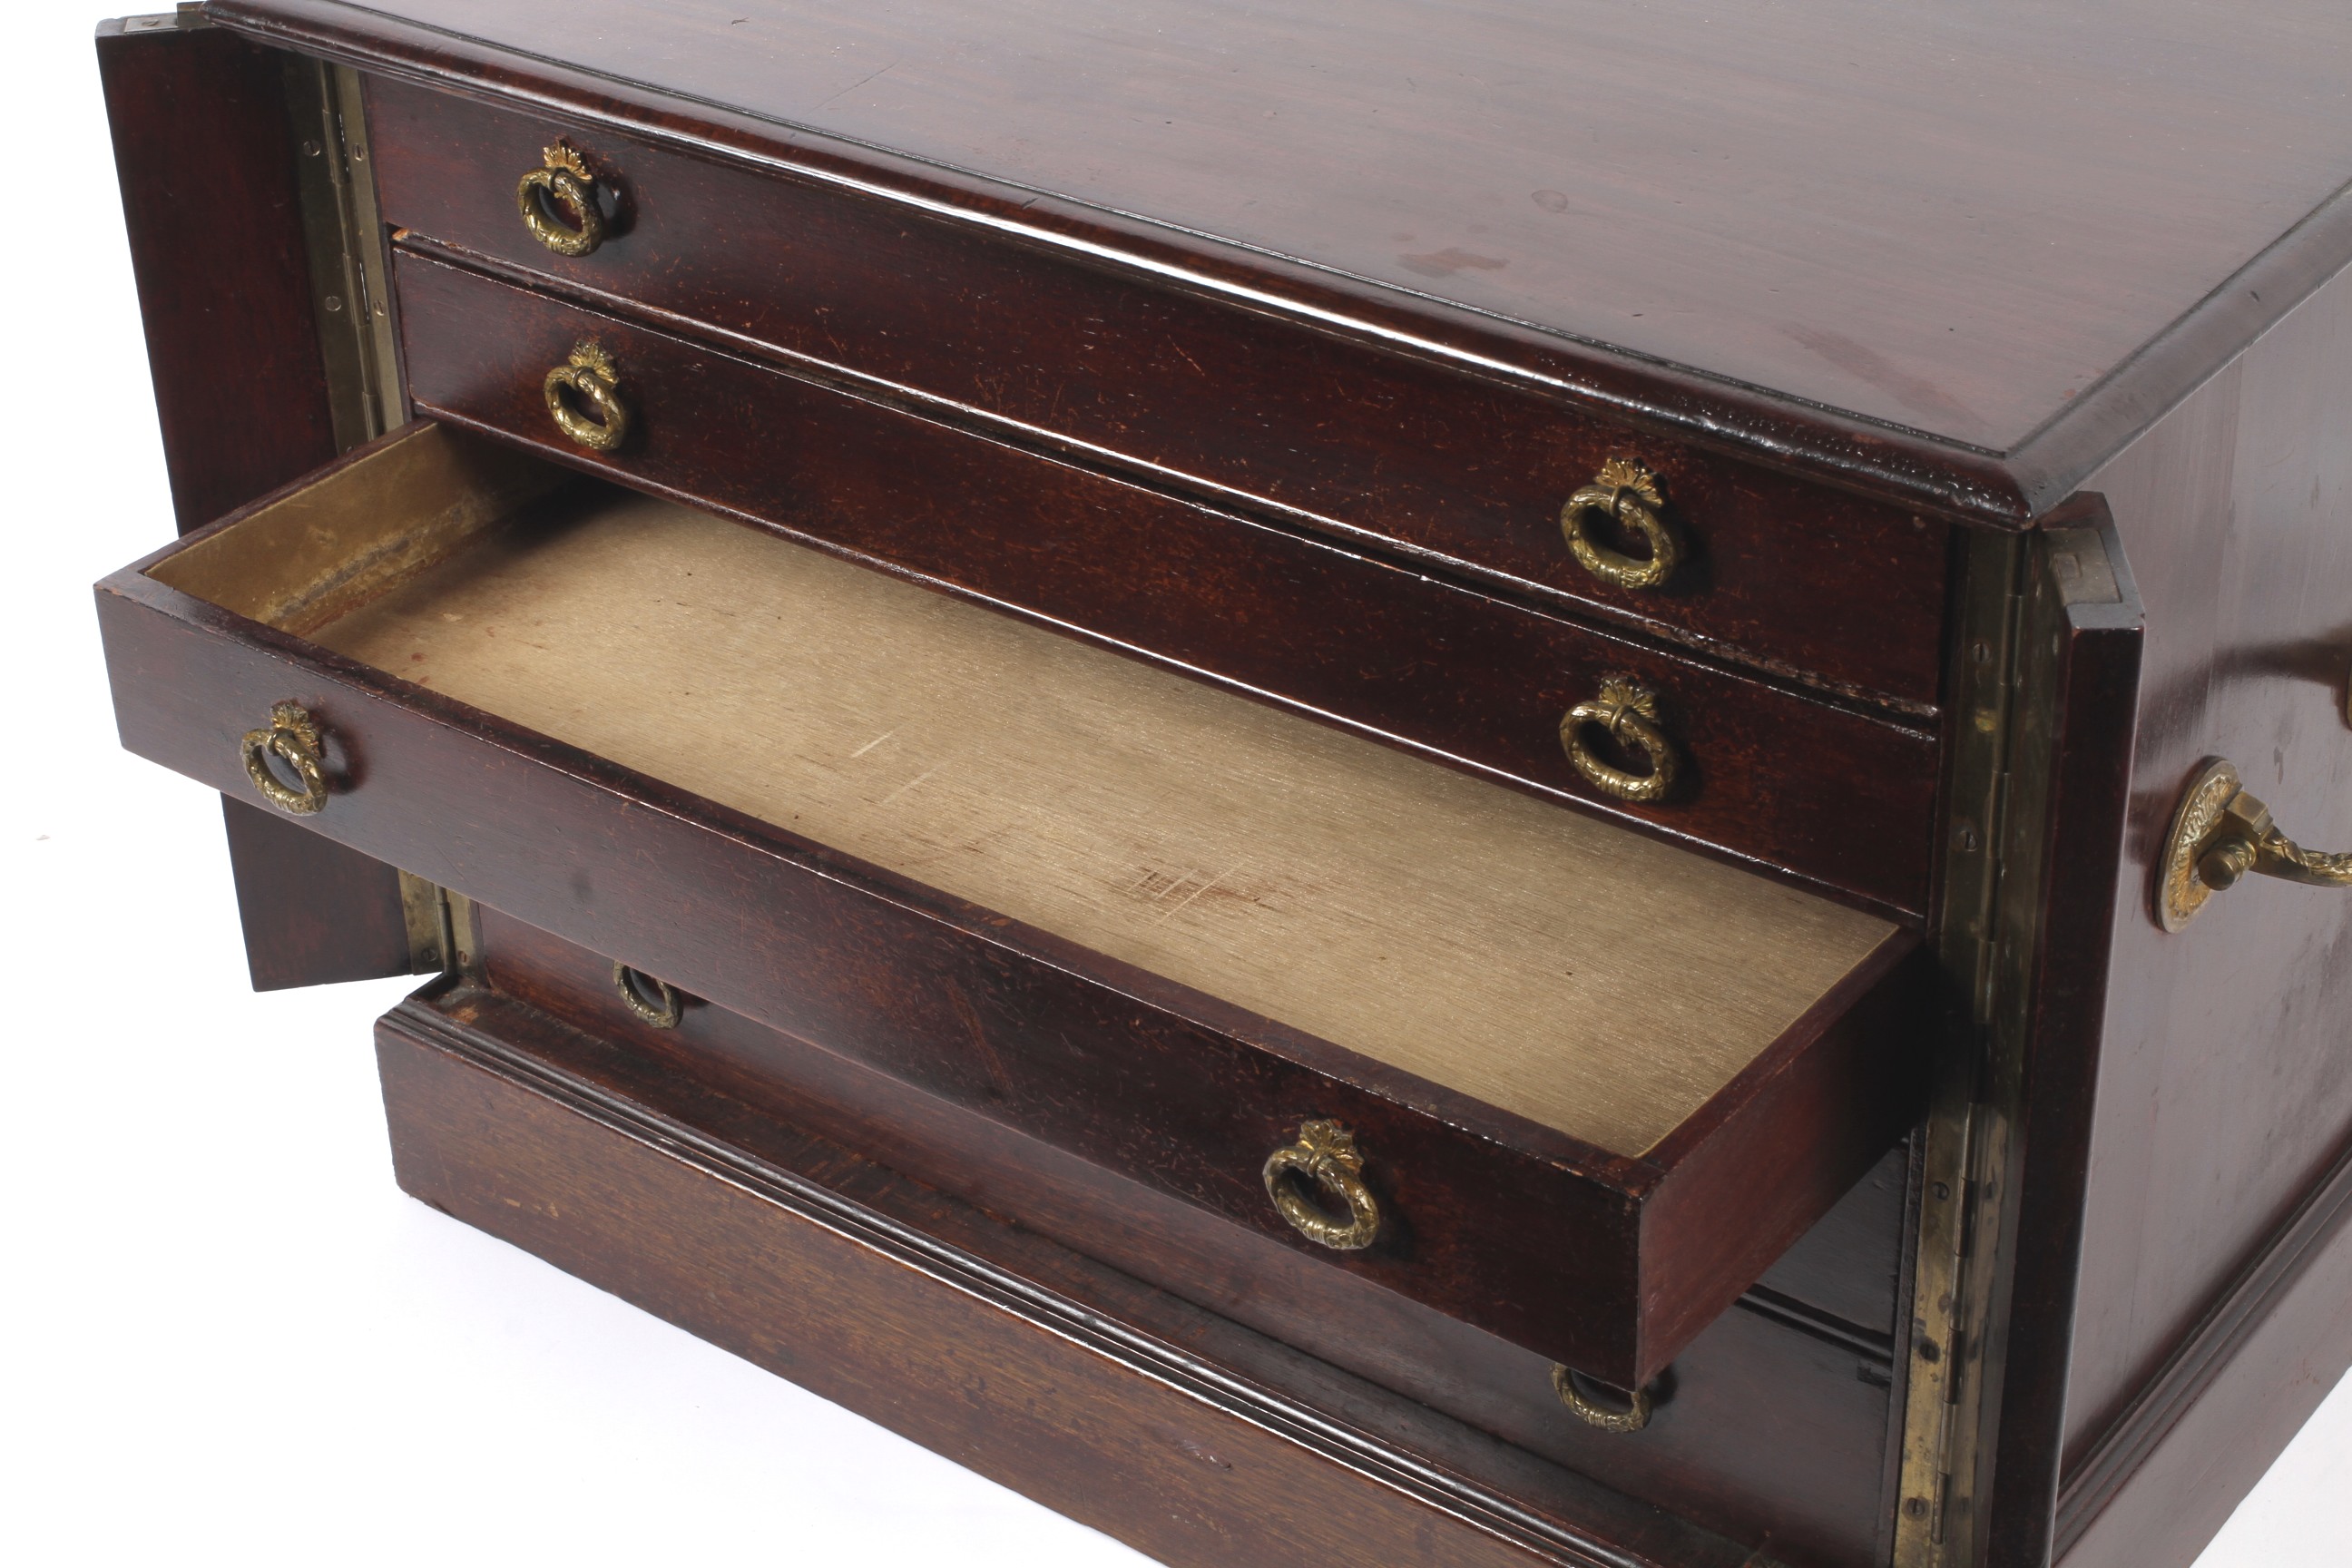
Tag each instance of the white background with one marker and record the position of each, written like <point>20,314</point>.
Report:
<point>227,1336</point>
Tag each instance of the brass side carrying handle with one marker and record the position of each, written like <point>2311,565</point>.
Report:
<point>1630,1417</point>
<point>1628,492</point>
<point>563,188</point>
<point>591,375</point>
<point>2219,833</point>
<point>294,739</point>
<point>1325,1154</point>
<point>1628,711</point>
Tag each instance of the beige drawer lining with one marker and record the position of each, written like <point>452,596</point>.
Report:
<point>1556,966</point>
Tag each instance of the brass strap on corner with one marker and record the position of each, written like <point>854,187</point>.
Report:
<point>562,189</point>
<point>2220,834</point>
<point>1327,1155</point>
<point>1628,711</point>
<point>295,739</point>
<point>1628,494</point>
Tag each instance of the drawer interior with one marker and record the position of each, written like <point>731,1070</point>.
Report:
<point>1562,968</point>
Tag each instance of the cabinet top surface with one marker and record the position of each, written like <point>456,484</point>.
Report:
<point>1951,219</point>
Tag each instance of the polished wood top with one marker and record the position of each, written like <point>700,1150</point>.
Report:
<point>1955,220</point>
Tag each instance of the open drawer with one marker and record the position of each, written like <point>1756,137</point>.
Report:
<point>1531,1069</point>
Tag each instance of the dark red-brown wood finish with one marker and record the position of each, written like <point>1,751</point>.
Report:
<point>1957,260</point>
<point>1773,1425</point>
<point>1129,1070</point>
<point>1455,472</point>
<point>313,910</point>
<point>224,287</point>
<point>204,150</point>
<point>2174,1465</point>
<point>1170,1427</point>
<point>2078,689</point>
<point>1336,311</point>
<point>1839,795</point>
<point>2225,1083</point>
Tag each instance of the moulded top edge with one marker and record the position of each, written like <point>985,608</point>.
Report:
<point>1942,257</point>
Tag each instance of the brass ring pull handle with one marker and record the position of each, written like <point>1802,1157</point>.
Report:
<point>2219,833</point>
<point>655,1001</point>
<point>590,374</point>
<point>563,188</point>
<point>294,739</point>
<point>1630,1417</point>
<point>1628,492</point>
<point>1325,1154</point>
<point>1628,711</point>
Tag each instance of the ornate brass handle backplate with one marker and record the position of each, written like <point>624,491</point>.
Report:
<point>294,739</point>
<point>590,375</point>
<point>564,188</point>
<point>1326,1155</point>
<point>1628,712</point>
<point>1627,492</point>
<point>2219,833</point>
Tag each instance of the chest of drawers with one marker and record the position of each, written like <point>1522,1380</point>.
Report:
<point>1434,788</point>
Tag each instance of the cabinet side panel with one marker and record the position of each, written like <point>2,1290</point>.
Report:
<point>2277,1346</point>
<point>205,153</point>
<point>2226,1086</point>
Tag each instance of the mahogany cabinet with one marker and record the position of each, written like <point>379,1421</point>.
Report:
<point>1535,785</point>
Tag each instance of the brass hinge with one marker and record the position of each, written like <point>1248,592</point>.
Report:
<point>187,18</point>
<point>2012,639</point>
<point>427,910</point>
<point>1965,1138</point>
<point>350,299</point>
<point>442,932</point>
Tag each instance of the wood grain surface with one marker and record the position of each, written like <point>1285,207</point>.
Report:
<point>1559,968</point>
<point>224,281</point>
<point>224,299</point>
<point>1951,221</point>
<point>1950,260</point>
<point>1452,470</point>
<point>2083,631</point>
<point>312,911</point>
<point>1838,793</point>
<point>1772,1424</point>
<point>1121,1064</point>
<point>1169,1426</point>
<point>2226,1085</point>
<point>314,553</point>
<point>2164,1478</point>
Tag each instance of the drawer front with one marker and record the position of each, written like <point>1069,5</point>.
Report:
<point>1836,795</point>
<point>1355,439</point>
<point>1604,1262</point>
<point>1716,1448</point>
